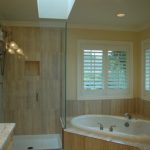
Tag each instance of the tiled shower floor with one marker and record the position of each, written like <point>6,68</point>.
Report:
<point>37,142</point>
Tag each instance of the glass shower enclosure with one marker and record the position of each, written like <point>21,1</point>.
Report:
<point>34,86</point>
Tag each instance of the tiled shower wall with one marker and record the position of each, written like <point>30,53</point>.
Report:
<point>32,81</point>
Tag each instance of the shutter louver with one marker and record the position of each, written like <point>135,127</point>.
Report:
<point>93,69</point>
<point>117,70</point>
<point>147,70</point>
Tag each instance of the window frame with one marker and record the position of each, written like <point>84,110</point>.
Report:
<point>83,94</point>
<point>144,93</point>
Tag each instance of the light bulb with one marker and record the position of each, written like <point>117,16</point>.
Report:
<point>20,51</point>
<point>11,51</point>
<point>121,15</point>
<point>13,45</point>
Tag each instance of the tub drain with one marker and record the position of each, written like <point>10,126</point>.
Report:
<point>30,147</point>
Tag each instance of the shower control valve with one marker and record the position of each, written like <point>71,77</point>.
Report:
<point>101,127</point>
<point>111,128</point>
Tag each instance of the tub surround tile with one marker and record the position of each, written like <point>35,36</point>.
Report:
<point>135,106</point>
<point>6,130</point>
<point>107,107</point>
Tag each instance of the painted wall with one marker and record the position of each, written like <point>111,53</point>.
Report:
<point>145,34</point>
<point>76,107</point>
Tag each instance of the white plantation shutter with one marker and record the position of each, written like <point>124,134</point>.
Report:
<point>147,70</point>
<point>117,70</point>
<point>93,69</point>
<point>104,73</point>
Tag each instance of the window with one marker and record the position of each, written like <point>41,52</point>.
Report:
<point>117,69</point>
<point>93,69</point>
<point>104,70</point>
<point>146,70</point>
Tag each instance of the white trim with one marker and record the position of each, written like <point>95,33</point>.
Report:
<point>112,28</point>
<point>144,45</point>
<point>39,23</point>
<point>60,23</point>
<point>97,93</point>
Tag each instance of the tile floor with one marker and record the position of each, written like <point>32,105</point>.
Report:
<point>37,142</point>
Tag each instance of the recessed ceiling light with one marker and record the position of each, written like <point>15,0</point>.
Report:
<point>121,15</point>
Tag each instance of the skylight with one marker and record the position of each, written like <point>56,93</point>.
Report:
<point>55,9</point>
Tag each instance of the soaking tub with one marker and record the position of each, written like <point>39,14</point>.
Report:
<point>134,130</point>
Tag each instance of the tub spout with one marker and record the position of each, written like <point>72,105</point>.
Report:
<point>101,127</point>
<point>127,115</point>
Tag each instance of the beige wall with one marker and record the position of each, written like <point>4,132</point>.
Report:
<point>145,34</point>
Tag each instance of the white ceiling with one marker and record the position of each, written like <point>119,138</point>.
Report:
<point>18,10</point>
<point>86,13</point>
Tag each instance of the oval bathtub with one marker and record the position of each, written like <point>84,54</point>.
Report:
<point>138,130</point>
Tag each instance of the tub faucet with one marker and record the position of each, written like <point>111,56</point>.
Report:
<point>128,115</point>
<point>101,127</point>
<point>111,128</point>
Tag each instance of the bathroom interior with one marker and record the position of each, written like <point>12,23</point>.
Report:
<point>45,92</point>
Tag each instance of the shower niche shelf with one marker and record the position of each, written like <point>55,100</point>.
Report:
<point>32,68</point>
